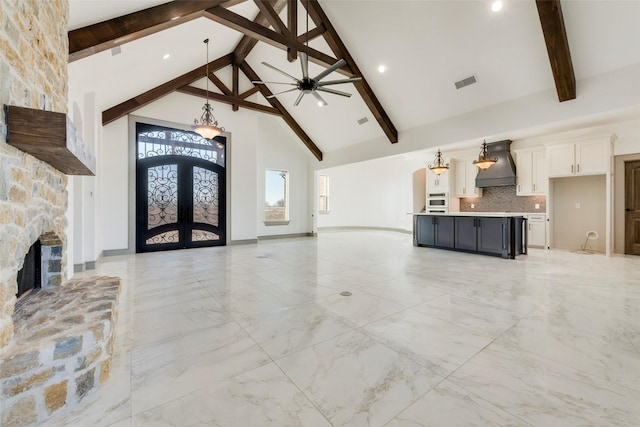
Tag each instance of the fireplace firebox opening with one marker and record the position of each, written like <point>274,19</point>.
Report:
<point>29,277</point>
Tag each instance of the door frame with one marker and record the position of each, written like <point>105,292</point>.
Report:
<point>627,241</point>
<point>131,182</point>
<point>619,200</point>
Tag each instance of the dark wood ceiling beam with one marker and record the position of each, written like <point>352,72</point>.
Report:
<point>262,33</point>
<point>158,92</point>
<point>231,100</point>
<point>314,33</point>
<point>272,16</point>
<point>340,50</point>
<point>219,84</point>
<point>105,35</point>
<point>249,92</point>
<point>246,44</point>
<point>235,72</point>
<point>292,23</point>
<point>295,127</point>
<point>555,37</point>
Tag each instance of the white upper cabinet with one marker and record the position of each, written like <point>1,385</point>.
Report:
<point>531,169</point>
<point>583,158</point>
<point>465,179</point>
<point>438,183</point>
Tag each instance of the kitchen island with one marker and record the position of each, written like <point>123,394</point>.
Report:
<point>487,233</point>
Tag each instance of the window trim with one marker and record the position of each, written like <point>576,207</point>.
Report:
<point>326,195</point>
<point>287,219</point>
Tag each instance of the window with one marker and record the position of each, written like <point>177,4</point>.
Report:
<point>276,206</point>
<point>323,191</point>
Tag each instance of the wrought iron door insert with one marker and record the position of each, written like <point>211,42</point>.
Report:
<point>180,189</point>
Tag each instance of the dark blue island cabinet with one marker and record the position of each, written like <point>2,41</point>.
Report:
<point>501,235</point>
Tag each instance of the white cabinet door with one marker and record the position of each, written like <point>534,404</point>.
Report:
<point>539,169</point>
<point>438,183</point>
<point>464,179</point>
<point>472,172</point>
<point>524,171</point>
<point>591,158</point>
<point>560,160</point>
<point>460,173</point>
<point>537,233</point>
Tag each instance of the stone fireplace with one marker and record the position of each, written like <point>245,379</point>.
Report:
<point>55,347</point>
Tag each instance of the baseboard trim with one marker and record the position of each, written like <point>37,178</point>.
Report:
<point>241,242</point>
<point>284,236</point>
<point>115,252</point>
<point>364,228</point>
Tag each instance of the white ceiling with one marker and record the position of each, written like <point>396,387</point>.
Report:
<point>425,45</point>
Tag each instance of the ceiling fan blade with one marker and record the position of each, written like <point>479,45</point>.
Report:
<point>333,91</point>
<point>321,101</point>
<point>280,71</point>
<point>274,83</point>
<point>330,70</point>
<point>304,63</point>
<point>280,93</point>
<point>295,104</point>
<point>341,81</point>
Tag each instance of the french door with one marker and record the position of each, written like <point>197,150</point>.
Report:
<point>180,189</point>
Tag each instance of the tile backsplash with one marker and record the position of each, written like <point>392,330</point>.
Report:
<point>503,199</point>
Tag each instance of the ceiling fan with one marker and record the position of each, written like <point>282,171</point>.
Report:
<point>307,85</point>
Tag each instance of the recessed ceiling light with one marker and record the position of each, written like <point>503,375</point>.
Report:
<point>382,68</point>
<point>496,6</point>
<point>166,56</point>
<point>321,104</point>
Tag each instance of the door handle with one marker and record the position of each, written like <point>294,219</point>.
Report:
<point>578,167</point>
<point>628,210</point>
<point>571,168</point>
<point>534,187</point>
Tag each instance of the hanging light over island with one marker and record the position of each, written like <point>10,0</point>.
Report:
<point>439,166</point>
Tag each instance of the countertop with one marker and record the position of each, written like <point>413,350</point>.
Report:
<point>489,214</point>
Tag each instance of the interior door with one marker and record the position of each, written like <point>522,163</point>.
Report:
<point>632,208</point>
<point>180,190</point>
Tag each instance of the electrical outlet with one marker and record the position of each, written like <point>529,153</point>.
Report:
<point>577,205</point>
<point>537,206</point>
<point>473,206</point>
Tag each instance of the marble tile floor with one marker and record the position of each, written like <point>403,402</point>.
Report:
<point>259,335</point>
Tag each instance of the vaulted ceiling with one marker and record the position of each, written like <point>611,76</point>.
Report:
<point>425,45</point>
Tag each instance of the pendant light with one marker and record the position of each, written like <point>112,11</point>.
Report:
<point>439,166</point>
<point>207,127</point>
<point>484,162</point>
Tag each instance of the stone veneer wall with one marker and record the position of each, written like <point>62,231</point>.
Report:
<point>33,196</point>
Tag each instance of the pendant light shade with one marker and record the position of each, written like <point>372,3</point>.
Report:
<point>439,166</point>
<point>484,162</point>
<point>207,127</point>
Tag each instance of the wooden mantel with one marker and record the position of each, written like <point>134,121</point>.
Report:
<point>50,137</point>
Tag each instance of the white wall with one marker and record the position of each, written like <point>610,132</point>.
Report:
<point>579,206</point>
<point>376,193</point>
<point>278,149</point>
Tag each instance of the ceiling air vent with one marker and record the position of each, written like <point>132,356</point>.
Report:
<point>362,121</point>
<point>116,50</point>
<point>466,82</point>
